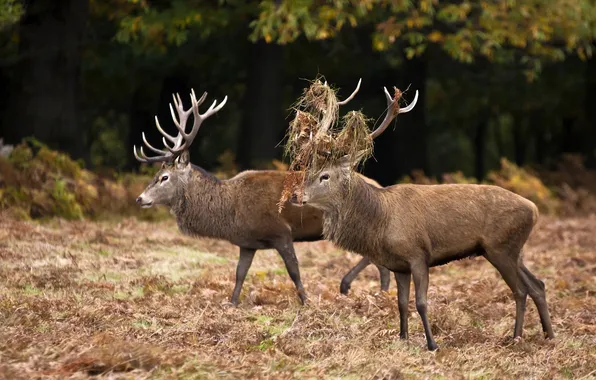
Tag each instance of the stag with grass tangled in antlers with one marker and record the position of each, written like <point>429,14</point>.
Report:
<point>410,228</point>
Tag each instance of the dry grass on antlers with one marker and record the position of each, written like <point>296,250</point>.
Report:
<point>315,139</point>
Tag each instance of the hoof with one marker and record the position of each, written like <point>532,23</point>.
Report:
<point>344,289</point>
<point>303,298</point>
<point>433,347</point>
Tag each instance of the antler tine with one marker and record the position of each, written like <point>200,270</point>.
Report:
<point>155,150</point>
<point>134,150</point>
<point>199,118</point>
<point>182,140</point>
<point>174,119</point>
<point>347,100</point>
<point>392,111</point>
<point>182,116</point>
<point>164,133</point>
<point>214,109</point>
<point>411,106</point>
<point>142,157</point>
<point>193,97</point>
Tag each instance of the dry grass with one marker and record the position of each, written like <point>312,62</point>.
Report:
<point>138,300</point>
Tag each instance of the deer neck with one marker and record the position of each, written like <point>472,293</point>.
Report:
<point>356,218</point>
<point>204,207</point>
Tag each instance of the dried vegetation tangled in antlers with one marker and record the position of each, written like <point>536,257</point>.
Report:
<point>316,138</point>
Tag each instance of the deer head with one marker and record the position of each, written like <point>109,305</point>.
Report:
<point>333,178</point>
<point>175,158</point>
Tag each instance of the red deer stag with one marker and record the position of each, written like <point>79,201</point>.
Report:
<point>409,228</point>
<point>242,210</point>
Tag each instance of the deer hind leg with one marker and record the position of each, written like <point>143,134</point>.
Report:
<point>287,253</point>
<point>385,276</point>
<point>346,282</point>
<point>536,290</point>
<point>403,299</point>
<point>420,276</point>
<point>244,263</point>
<point>508,267</point>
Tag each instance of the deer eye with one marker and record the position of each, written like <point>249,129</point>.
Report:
<point>164,178</point>
<point>324,177</point>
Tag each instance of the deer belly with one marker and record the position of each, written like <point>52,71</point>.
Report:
<point>440,257</point>
<point>390,260</point>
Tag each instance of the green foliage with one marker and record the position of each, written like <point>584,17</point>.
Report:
<point>21,156</point>
<point>458,177</point>
<point>527,31</point>
<point>227,167</point>
<point>65,202</point>
<point>521,181</point>
<point>525,183</point>
<point>153,28</point>
<point>285,22</point>
<point>37,182</point>
<point>107,148</point>
<point>10,12</point>
<point>149,28</point>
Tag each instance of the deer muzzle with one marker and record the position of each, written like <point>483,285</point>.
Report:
<point>294,200</point>
<point>144,203</point>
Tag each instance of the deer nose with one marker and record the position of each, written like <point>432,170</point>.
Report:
<point>139,199</point>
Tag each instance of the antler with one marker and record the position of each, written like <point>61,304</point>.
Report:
<point>393,110</point>
<point>347,100</point>
<point>182,141</point>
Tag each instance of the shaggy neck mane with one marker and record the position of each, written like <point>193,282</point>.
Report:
<point>204,172</point>
<point>355,217</point>
<point>203,206</point>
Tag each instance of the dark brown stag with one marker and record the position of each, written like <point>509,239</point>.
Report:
<point>409,228</point>
<point>242,210</point>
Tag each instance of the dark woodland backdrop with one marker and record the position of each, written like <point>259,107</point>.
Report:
<point>511,79</point>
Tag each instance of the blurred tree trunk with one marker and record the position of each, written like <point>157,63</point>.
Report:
<point>590,113</point>
<point>480,149</point>
<point>44,103</point>
<point>519,142</point>
<point>4,94</point>
<point>570,138</point>
<point>537,125</point>
<point>403,148</point>
<point>262,122</point>
<point>498,136</point>
<point>141,120</point>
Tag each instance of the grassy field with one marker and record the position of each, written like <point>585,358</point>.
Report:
<point>131,299</point>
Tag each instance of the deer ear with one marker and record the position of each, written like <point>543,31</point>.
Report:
<point>345,162</point>
<point>183,160</point>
